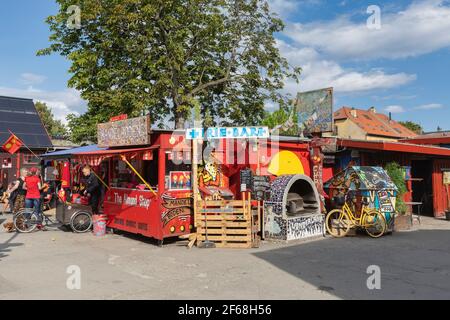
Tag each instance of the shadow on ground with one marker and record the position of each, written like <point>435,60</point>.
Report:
<point>414,265</point>
<point>7,246</point>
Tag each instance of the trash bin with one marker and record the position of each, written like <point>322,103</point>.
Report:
<point>447,215</point>
<point>99,222</point>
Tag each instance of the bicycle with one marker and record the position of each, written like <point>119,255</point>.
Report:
<point>26,221</point>
<point>339,221</point>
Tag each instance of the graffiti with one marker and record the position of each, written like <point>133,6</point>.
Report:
<point>371,183</point>
<point>305,227</point>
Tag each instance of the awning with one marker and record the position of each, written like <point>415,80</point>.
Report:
<point>94,158</point>
<point>70,152</point>
<point>113,152</point>
<point>394,147</point>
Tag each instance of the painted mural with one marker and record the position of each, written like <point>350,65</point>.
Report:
<point>371,183</point>
<point>315,111</point>
<point>177,213</point>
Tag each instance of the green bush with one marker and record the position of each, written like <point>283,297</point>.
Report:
<point>397,175</point>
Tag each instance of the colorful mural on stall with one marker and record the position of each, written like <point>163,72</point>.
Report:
<point>372,183</point>
<point>177,213</point>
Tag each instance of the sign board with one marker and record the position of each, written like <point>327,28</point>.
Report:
<point>130,132</point>
<point>315,111</point>
<point>246,180</point>
<point>446,175</point>
<point>119,118</point>
<point>228,133</point>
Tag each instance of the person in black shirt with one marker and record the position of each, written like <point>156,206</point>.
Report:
<point>92,190</point>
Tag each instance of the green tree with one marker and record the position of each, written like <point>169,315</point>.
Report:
<point>397,175</point>
<point>55,128</point>
<point>414,127</point>
<point>160,56</point>
<point>284,120</point>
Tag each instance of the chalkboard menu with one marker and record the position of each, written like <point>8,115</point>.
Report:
<point>130,132</point>
<point>246,180</point>
<point>261,187</point>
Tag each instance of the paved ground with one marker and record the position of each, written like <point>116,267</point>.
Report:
<point>413,265</point>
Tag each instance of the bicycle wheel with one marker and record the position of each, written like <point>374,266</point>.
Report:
<point>374,223</point>
<point>25,221</point>
<point>337,223</point>
<point>81,222</point>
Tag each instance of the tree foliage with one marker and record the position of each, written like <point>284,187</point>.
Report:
<point>160,56</point>
<point>54,127</point>
<point>397,175</point>
<point>283,120</point>
<point>414,127</point>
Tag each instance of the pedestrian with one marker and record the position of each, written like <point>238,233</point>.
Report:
<point>6,198</point>
<point>18,192</point>
<point>33,186</point>
<point>92,188</point>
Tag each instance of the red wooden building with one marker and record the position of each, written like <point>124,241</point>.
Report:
<point>426,166</point>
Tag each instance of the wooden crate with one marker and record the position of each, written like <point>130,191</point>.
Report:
<point>228,223</point>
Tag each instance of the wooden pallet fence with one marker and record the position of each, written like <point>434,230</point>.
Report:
<point>227,223</point>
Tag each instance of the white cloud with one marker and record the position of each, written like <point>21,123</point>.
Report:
<point>430,106</point>
<point>287,8</point>
<point>423,27</point>
<point>395,109</point>
<point>31,78</point>
<point>320,73</point>
<point>62,102</point>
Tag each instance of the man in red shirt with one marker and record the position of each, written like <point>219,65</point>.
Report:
<point>33,186</point>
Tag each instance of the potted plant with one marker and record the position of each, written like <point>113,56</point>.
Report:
<point>403,219</point>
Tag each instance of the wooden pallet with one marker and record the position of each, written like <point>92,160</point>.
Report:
<point>227,223</point>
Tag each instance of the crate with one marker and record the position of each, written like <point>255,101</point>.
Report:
<point>228,223</point>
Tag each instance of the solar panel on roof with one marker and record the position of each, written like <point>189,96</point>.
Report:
<point>20,116</point>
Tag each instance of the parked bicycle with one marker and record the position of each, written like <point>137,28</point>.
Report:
<point>27,221</point>
<point>339,221</point>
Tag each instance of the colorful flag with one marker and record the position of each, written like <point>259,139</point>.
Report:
<point>13,144</point>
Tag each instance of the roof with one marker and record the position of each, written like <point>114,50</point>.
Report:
<point>361,178</point>
<point>20,117</point>
<point>394,147</point>
<point>373,123</point>
<point>434,138</point>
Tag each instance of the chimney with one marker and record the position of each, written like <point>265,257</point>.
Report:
<point>390,116</point>
<point>372,110</point>
<point>354,113</point>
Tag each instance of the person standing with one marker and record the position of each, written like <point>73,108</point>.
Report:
<point>33,186</point>
<point>93,189</point>
<point>18,191</point>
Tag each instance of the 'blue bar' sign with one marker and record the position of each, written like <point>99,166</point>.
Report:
<point>228,133</point>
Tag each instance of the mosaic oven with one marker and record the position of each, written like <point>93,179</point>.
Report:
<point>293,210</point>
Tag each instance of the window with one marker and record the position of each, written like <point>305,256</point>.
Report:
<point>178,170</point>
<point>6,163</point>
<point>30,159</point>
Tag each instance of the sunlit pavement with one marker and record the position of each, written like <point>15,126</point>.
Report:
<point>413,265</point>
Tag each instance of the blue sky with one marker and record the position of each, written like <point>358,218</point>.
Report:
<point>402,67</point>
